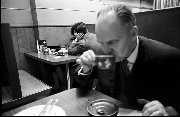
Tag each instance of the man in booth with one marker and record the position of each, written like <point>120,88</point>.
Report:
<point>152,81</point>
<point>83,41</point>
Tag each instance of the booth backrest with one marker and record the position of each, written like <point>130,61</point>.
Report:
<point>9,73</point>
<point>162,25</point>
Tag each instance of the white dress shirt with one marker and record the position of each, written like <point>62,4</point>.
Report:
<point>132,58</point>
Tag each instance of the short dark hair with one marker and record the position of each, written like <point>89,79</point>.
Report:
<point>79,27</point>
<point>122,11</point>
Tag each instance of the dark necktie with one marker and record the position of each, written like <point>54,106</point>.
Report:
<point>125,67</point>
<point>124,74</point>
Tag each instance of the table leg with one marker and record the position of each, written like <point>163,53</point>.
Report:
<point>56,77</point>
<point>50,74</point>
<point>68,77</point>
<point>56,81</point>
<point>61,75</point>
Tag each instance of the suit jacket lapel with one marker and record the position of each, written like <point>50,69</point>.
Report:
<point>142,57</point>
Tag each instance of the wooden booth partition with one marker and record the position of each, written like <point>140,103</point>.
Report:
<point>162,25</point>
<point>9,75</point>
<point>18,86</point>
<point>24,40</point>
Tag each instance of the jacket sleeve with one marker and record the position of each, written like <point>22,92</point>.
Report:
<point>76,48</point>
<point>170,93</point>
<point>82,81</point>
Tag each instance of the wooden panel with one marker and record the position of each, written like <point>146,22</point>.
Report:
<point>10,61</point>
<point>3,67</point>
<point>55,35</point>
<point>32,89</point>
<point>5,95</point>
<point>26,42</point>
<point>91,28</point>
<point>26,39</point>
<point>161,25</point>
<point>16,46</point>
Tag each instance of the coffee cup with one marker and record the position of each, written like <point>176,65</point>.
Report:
<point>105,61</point>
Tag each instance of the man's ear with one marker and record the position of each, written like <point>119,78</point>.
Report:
<point>134,31</point>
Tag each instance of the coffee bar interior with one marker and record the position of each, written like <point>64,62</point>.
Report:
<point>34,33</point>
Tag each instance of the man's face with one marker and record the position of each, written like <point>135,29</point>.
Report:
<point>79,36</point>
<point>75,33</point>
<point>114,36</point>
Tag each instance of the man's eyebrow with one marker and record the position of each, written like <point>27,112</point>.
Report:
<point>113,40</point>
<point>109,41</point>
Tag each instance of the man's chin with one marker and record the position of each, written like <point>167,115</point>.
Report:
<point>118,59</point>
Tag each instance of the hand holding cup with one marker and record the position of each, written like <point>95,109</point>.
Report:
<point>105,62</point>
<point>87,60</point>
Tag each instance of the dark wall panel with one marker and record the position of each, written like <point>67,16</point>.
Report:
<point>91,28</point>
<point>161,25</point>
<point>16,46</point>
<point>8,61</point>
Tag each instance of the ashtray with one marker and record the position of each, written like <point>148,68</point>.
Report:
<point>102,107</point>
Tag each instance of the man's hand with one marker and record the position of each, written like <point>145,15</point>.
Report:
<point>153,108</point>
<point>87,60</point>
<point>80,36</point>
<point>74,41</point>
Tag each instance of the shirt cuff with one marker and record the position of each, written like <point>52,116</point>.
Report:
<point>80,72</point>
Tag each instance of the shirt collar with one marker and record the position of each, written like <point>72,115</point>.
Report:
<point>133,56</point>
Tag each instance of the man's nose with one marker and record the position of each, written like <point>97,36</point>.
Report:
<point>106,49</point>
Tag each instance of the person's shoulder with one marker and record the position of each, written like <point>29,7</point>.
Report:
<point>157,48</point>
<point>90,37</point>
<point>89,34</point>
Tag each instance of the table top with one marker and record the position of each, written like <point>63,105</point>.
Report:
<point>74,102</point>
<point>52,59</point>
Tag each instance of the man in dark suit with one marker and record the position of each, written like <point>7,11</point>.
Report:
<point>152,83</point>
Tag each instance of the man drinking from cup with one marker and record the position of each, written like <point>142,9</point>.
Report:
<point>146,74</point>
